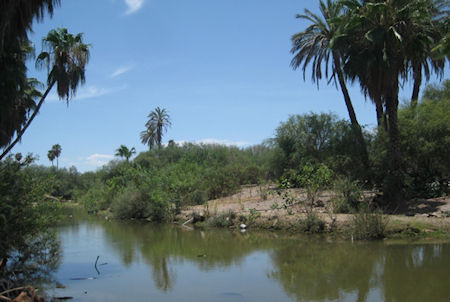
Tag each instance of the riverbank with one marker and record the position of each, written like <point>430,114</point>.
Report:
<point>259,207</point>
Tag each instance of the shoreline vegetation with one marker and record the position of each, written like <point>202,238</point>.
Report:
<point>257,207</point>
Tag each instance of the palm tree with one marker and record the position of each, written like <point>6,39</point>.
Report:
<point>66,57</point>
<point>148,137</point>
<point>381,42</point>
<point>57,152</point>
<point>51,155</point>
<point>314,46</point>
<point>159,121</point>
<point>123,151</point>
<point>16,19</point>
<point>421,55</point>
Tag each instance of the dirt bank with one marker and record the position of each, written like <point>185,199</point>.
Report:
<point>265,208</point>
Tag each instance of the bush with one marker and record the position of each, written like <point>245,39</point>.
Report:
<point>369,224</point>
<point>131,203</point>
<point>222,220</point>
<point>312,224</point>
<point>347,195</point>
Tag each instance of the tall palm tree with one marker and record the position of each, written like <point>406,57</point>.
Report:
<point>123,151</point>
<point>159,121</point>
<point>148,137</point>
<point>380,45</point>
<point>315,46</point>
<point>57,152</point>
<point>51,155</point>
<point>65,57</point>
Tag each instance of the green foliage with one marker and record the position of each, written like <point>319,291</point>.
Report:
<point>312,224</point>
<point>130,203</point>
<point>425,141</point>
<point>347,197</point>
<point>317,138</point>
<point>314,179</point>
<point>369,224</point>
<point>222,220</point>
<point>24,210</point>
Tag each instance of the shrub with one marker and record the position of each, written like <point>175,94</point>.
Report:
<point>222,220</point>
<point>347,195</point>
<point>369,224</point>
<point>131,203</point>
<point>312,223</point>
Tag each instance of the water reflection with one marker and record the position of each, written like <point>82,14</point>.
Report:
<point>222,265</point>
<point>34,263</point>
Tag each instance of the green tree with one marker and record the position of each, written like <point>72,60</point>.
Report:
<point>65,56</point>
<point>313,46</point>
<point>123,151</point>
<point>159,121</point>
<point>381,42</point>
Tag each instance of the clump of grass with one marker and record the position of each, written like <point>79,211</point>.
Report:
<point>369,224</point>
<point>222,220</point>
<point>312,224</point>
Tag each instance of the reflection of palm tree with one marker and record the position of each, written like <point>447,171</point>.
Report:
<point>163,276</point>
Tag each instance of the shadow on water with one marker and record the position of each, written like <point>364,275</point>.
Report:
<point>253,265</point>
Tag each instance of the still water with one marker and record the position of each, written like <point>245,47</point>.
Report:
<point>147,262</point>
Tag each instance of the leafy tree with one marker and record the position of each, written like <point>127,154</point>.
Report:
<point>317,138</point>
<point>23,209</point>
<point>65,56</point>
<point>123,151</point>
<point>159,121</point>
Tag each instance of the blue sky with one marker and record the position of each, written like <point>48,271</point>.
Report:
<point>220,68</point>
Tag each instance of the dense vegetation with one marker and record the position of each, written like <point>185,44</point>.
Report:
<point>378,44</point>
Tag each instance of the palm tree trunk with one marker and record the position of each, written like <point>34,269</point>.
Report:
<point>394,184</point>
<point>351,112</point>
<point>22,131</point>
<point>417,74</point>
<point>381,116</point>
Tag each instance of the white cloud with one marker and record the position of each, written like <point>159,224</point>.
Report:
<point>89,92</point>
<point>214,141</point>
<point>133,6</point>
<point>121,70</point>
<point>98,160</point>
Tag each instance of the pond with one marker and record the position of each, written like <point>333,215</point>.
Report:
<point>147,262</point>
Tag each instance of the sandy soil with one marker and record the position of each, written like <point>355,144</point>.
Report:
<point>262,199</point>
